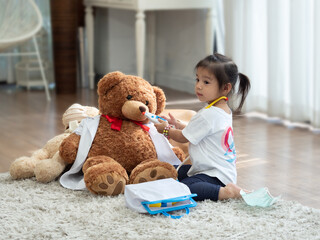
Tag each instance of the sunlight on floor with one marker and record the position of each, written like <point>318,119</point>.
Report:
<point>250,162</point>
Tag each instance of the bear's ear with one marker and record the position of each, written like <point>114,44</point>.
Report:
<point>161,100</point>
<point>109,81</point>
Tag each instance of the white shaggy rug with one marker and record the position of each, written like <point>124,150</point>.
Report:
<point>31,210</point>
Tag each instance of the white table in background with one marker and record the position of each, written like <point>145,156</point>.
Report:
<point>141,6</point>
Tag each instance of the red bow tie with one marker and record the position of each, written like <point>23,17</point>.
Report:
<point>117,122</point>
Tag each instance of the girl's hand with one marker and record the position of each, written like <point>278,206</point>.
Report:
<point>171,120</point>
<point>175,134</point>
<point>160,126</point>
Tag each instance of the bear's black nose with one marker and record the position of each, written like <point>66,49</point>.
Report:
<point>142,109</point>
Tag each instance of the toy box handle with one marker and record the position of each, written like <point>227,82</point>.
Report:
<point>176,216</point>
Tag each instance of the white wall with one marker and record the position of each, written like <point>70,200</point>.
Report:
<point>180,44</point>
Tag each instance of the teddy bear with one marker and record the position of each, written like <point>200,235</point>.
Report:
<point>45,163</point>
<point>122,150</point>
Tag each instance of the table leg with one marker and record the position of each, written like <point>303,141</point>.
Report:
<point>209,32</point>
<point>90,38</point>
<point>151,43</point>
<point>140,41</point>
<point>10,70</point>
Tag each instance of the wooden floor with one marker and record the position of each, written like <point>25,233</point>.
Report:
<point>287,161</point>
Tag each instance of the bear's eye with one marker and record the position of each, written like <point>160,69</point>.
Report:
<point>129,97</point>
<point>147,102</point>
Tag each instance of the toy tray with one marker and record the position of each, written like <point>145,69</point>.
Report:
<point>172,204</point>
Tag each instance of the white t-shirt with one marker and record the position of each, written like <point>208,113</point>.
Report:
<point>211,146</point>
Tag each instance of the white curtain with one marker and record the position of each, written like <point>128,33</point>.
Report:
<point>277,44</point>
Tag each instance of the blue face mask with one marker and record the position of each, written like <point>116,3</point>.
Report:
<point>260,198</point>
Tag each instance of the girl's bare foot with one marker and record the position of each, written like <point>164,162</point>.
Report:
<point>229,191</point>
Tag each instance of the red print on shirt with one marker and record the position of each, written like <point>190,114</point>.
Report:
<point>227,144</point>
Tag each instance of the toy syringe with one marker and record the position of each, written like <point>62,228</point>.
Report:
<point>162,204</point>
<point>153,118</point>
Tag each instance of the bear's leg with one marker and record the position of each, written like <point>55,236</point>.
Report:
<point>103,175</point>
<point>179,153</point>
<point>152,170</point>
<point>48,170</point>
<point>23,167</point>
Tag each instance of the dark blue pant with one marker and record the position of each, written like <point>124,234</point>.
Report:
<point>205,186</point>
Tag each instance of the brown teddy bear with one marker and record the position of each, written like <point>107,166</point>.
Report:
<point>46,164</point>
<point>122,149</point>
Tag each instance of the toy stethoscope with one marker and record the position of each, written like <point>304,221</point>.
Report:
<point>217,100</point>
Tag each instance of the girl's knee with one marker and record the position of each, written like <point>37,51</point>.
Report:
<point>183,172</point>
<point>205,190</point>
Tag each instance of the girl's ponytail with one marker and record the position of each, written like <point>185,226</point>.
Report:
<point>244,87</point>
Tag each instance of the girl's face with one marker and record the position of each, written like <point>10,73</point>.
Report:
<point>207,86</point>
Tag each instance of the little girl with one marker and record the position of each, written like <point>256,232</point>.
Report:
<point>212,174</point>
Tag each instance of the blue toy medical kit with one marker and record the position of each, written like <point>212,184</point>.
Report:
<point>160,196</point>
<point>172,204</point>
